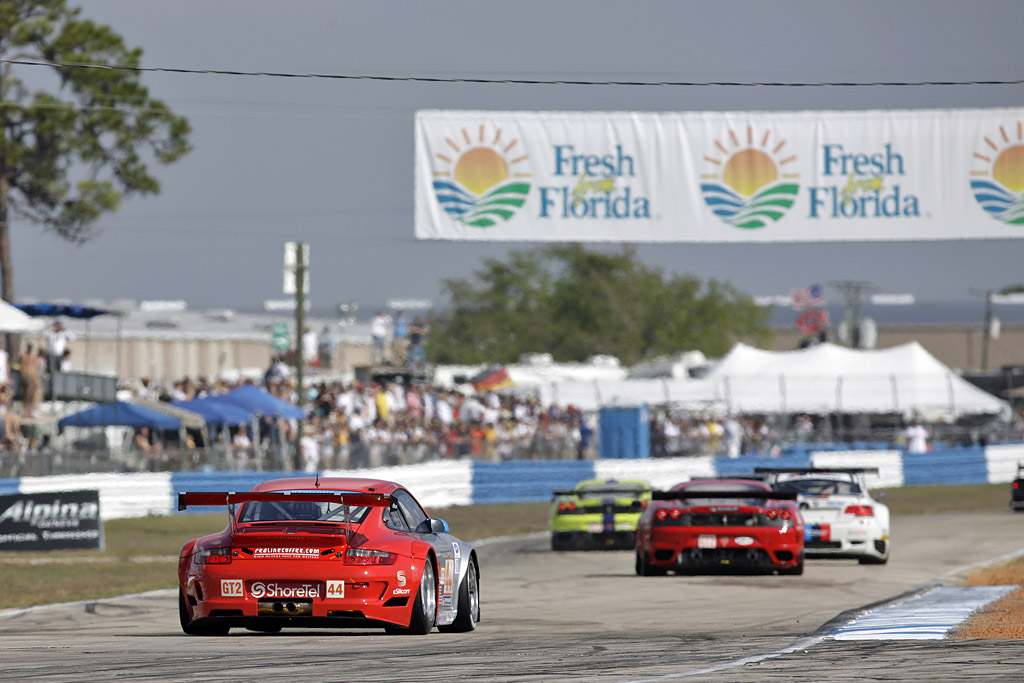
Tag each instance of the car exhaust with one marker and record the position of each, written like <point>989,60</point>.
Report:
<point>285,608</point>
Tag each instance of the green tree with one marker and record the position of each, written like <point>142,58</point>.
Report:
<point>70,152</point>
<point>574,303</point>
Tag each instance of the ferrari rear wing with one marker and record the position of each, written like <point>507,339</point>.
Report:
<point>683,495</point>
<point>815,470</point>
<point>357,498</point>
<point>599,492</point>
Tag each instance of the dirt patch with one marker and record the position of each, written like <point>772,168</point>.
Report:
<point>1003,618</point>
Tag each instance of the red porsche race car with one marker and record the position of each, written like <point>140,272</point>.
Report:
<point>330,552</point>
<point>712,525</point>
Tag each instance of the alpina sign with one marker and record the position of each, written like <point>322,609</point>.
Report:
<point>51,521</point>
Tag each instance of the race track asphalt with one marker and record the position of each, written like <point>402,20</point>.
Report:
<point>565,617</point>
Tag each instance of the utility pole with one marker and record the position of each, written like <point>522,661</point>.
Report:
<point>853,292</point>
<point>986,332</point>
<point>300,330</point>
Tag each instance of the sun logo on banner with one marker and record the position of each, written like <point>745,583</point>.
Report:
<point>747,185</point>
<point>478,183</point>
<point>999,186</point>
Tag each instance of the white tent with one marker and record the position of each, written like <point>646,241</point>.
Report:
<point>13,319</point>
<point>827,378</point>
<point>822,379</point>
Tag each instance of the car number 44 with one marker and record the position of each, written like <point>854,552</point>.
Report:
<point>335,589</point>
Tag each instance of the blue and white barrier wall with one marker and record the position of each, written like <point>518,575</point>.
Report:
<point>464,482</point>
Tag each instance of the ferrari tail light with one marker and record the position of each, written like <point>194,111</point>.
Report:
<point>671,516</point>
<point>214,556</point>
<point>1016,485</point>
<point>860,510</point>
<point>566,508</point>
<point>778,517</point>
<point>362,556</point>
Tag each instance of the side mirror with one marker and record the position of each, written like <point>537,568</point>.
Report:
<point>878,495</point>
<point>432,526</point>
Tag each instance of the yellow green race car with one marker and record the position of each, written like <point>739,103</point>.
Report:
<point>598,514</point>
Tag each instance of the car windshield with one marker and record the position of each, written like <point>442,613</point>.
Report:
<point>296,510</point>
<point>819,487</point>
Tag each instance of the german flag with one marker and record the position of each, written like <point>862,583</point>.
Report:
<point>491,378</point>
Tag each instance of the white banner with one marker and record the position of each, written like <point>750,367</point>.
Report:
<point>814,176</point>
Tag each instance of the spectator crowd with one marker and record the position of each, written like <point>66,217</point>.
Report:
<point>350,425</point>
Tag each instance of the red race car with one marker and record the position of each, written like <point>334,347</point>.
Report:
<point>330,552</point>
<point>709,525</point>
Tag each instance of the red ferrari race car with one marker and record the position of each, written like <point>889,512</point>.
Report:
<point>713,525</point>
<point>331,552</point>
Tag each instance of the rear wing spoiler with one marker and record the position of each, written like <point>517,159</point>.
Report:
<point>358,498</point>
<point>601,492</point>
<point>763,495</point>
<point>815,470</point>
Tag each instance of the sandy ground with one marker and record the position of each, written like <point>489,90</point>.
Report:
<point>1004,618</point>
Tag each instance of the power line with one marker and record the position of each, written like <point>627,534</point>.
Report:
<point>509,81</point>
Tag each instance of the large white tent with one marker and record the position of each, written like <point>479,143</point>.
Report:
<point>13,319</point>
<point>828,378</point>
<point>821,379</point>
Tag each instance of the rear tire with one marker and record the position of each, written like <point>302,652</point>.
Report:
<point>424,610</point>
<point>469,603</point>
<point>873,559</point>
<point>797,570</point>
<point>645,569</point>
<point>193,629</point>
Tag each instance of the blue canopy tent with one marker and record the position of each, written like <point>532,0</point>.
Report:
<point>78,386</point>
<point>119,414</point>
<point>260,402</point>
<point>63,310</point>
<point>217,413</point>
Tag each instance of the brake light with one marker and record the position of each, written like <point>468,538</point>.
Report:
<point>860,511</point>
<point>1016,485</point>
<point>362,556</point>
<point>672,516</point>
<point>778,517</point>
<point>214,556</point>
<point>566,508</point>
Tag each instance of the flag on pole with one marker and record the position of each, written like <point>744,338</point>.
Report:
<point>807,297</point>
<point>491,378</point>
<point>812,322</point>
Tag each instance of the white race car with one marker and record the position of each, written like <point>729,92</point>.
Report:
<point>841,517</point>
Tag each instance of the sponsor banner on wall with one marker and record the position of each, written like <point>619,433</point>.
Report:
<point>810,176</point>
<point>51,521</point>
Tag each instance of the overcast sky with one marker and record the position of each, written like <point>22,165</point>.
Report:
<point>330,162</point>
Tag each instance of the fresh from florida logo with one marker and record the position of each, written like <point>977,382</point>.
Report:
<point>479,180</point>
<point>999,184</point>
<point>747,185</point>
